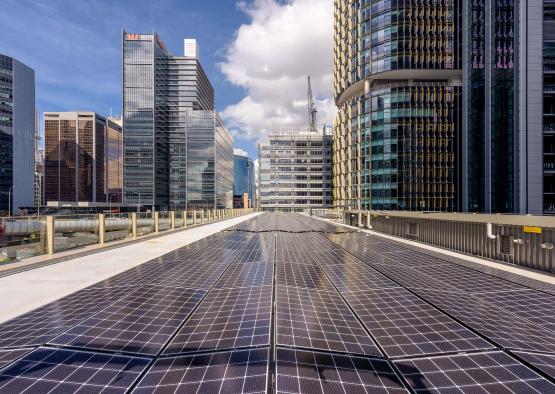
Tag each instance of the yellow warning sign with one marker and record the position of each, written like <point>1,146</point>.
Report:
<point>532,229</point>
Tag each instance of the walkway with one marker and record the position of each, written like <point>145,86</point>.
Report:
<point>286,303</point>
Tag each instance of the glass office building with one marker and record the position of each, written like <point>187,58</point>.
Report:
<point>17,135</point>
<point>243,181</point>
<point>161,96</point>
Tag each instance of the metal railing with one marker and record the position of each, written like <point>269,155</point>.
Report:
<point>22,237</point>
<point>523,240</point>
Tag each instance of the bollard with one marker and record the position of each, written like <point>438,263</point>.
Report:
<point>156,222</point>
<point>101,228</point>
<point>50,234</point>
<point>134,224</point>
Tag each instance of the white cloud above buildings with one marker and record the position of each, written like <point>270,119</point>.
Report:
<point>240,152</point>
<point>270,58</point>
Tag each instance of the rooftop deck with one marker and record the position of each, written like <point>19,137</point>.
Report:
<point>285,303</point>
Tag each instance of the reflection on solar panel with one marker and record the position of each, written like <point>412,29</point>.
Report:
<point>316,319</point>
<point>255,255</point>
<point>225,319</point>
<point>301,275</point>
<point>404,325</point>
<point>530,304</point>
<point>140,323</point>
<point>193,275</point>
<point>313,372</point>
<point>242,371</point>
<point>140,275</point>
<point>509,331</point>
<point>544,362</point>
<point>247,274</point>
<point>492,372</point>
<point>42,324</point>
<point>7,356</point>
<point>65,371</point>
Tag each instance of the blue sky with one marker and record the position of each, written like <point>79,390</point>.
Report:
<point>74,46</point>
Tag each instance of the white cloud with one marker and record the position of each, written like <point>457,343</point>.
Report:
<point>271,57</point>
<point>240,152</point>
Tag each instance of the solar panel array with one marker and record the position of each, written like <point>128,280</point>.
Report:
<point>290,304</point>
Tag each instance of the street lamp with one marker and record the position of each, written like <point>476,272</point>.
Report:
<point>139,204</point>
<point>110,200</point>
<point>10,201</point>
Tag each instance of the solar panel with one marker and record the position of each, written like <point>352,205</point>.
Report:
<point>225,319</point>
<point>543,362</point>
<point>491,372</point>
<point>193,275</point>
<point>140,323</point>
<point>412,278</point>
<point>532,305</point>
<point>139,275</point>
<point>44,323</point>
<point>301,275</point>
<point>404,325</point>
<point>247,274</point>
<point>46,370</point>
<point>507,330</point>
<point>300,371</point>
<point>242,371</point>
<point>316,319</point>
<point>8,356</point>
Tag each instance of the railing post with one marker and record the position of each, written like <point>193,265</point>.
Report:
<point>134,224</point>
<point>172,219</point>
<point>101,228</point>
<point>202,216</point>
<point>184,214</point>
<point>156,222</point>
<point>50,234</point>
<point>194,216</point>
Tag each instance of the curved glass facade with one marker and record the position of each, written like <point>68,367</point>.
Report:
<point>243,177</point>
<point>397,83</point>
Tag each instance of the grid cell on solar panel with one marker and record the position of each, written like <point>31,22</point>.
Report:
<point>505,329</point>
<point>529,304</point>
<point>42,324</point>
<point>8,356</point>
<point>404,325</point>
<point>543,362</point>
<point>193,275</point>
<point>47,370</point>
<point>301,275</point>
<point>225,319</point>
<point>491,372</point>
<point>356,276</point>
<point>247,274</point>
<point>242,371</point>
<point>315,372</point>
<point>317,319</point>
<point>140,323</point>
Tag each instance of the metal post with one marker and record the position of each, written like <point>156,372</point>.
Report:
<point>156,222</point>
<point>50,234</point>
<point>101,228</point>
<point>172,219</point>
<point>202,216</point>
<point>194,217</point>
<point>10,201</point>
<point>134,224</point>
<point>184,218</point>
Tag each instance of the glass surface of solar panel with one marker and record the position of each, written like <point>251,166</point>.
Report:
<point>140,275</point>
<point>192,275</point>
<point>225,319</point>
<point>247,274</point>
<point>42,324</point>
<point>507,330</point>
<point>316,319</point>
<point>404,325</point>
<point>46,370</point>
<point>299,371</point>
<point>255,255</point>
<point>301,275</point>
<point>140,323</point>
<point>8,356</point>
<point>491,372</point>
<point>543,362</point>
<point>242,371</point>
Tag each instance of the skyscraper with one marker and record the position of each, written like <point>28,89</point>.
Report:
<point>17,134</point>
<point>82,162</point>
<point>161,95</point>
<point>243,180</point>
<point>398,88</point>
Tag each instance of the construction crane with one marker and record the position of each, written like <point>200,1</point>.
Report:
<point>311,108</point>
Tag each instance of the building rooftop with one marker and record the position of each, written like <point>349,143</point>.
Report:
<point>287,303</point>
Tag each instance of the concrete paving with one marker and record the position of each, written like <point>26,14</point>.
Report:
<point>25,291</point>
